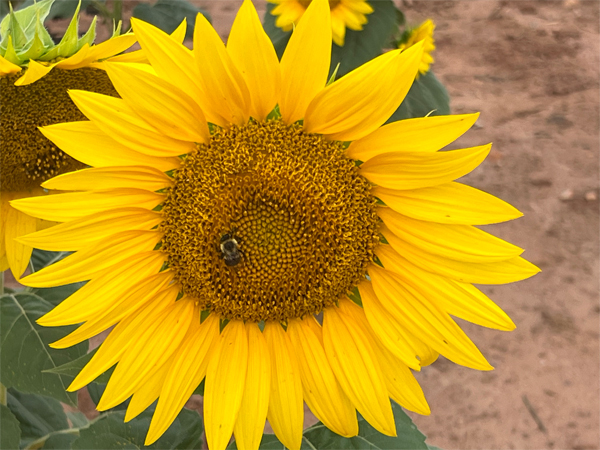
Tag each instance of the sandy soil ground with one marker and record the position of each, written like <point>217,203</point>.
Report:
<point>532,69</point>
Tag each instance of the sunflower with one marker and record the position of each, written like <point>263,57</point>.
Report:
<point>234,198</point>
<point>344,14</point>
<point>424,33</point>
<point>35,75</point>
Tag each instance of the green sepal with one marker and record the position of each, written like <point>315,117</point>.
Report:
<point>10,54</point>
<point>16,32</point>
<point>68,44</point>
<point>89,36</point>
<point>22,26</point>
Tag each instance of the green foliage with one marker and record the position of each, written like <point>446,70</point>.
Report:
<point>427,96</point>
<point>42,258</point>
<point>25,353</point>
<point>168,14</point>
<point>110,432</point>
<point>359,47</point>
<point>320,437</point>
<point>38,415</point>
<point>11,434</point>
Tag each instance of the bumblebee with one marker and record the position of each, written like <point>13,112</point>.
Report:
<point>230,251</point>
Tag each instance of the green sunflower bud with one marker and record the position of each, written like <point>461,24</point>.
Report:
<point>24,37</point>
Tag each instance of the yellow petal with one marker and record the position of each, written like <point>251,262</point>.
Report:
<point>124,335</point>
<point>286,412</point>
<point>360,102</point>
<point>501,272</point>
<point>448,203</point>
<point>153,288</point>
<point>148,391</point>
<point>104,50</point>
<point>351,355</point>
<point>458,242</point>
<point>139,177</point>
<point>423,134</point>
<point>322,392</point>
<point>412,170</point>
<point>401,383</point>
<point>392,334</point>
<point>83,264</point>
<point>259,67</point>
<point>175,63</point>
<point>161,104</point>
<point>100,150</point>
<point>120,122</point>
<point>34,72</point>
<point>420,316</point>
<point>17,254</point>
<point>184,376</point>
<point>75,205</point>
<point>221,81</point>
<point>105,291</point>
<point>148,352</point>
<point>225,382</point>
<point>458,299</point>
<point>251,417</point>
<point>8,68</point>
<point>305,62</point>
<point>80,233</point>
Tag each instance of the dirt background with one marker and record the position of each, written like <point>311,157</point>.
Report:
<point>532,69</point>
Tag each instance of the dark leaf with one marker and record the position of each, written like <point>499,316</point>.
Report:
<point>42,258</point>
<point>10,434</point>
<point>168,14</point>
<point>110,432</point>
<point>72,368</point>
<point>60,441</point>
<point>56,295</point>
<point>25,353</point>
<point>426,94</point>
<point>38,415</point>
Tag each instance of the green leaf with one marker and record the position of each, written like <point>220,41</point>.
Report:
<point>24,348</point>
<point>427,96</point>
<point>110,432</point>
<point>42,258</point>
<point>72,368</point>
<point>168,14</point>
<point>11,434</point>
<point>359,46</point>
<point>61,441</point>
<point>57,294</point>
<point>37,415</point>
<point>320,437</point>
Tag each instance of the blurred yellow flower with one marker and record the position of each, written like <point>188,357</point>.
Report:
<point>344,14</point>
<point>423,32</point>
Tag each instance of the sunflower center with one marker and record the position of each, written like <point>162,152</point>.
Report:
<point>28,158</point>
<point>268,222</point>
